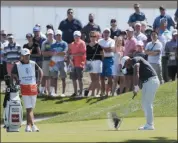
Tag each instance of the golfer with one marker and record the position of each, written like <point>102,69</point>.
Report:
<point>24,72</point>
<point>143,72</point>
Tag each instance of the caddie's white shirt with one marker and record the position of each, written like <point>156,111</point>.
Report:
<point>26,73</point>
<point>105,44</point>
<point>140,37</point>
<point>158,46</point>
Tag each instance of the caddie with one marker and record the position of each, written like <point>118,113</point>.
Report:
<point>25,72</point>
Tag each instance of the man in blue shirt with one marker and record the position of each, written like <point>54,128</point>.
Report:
<point>137,16</point>
<point>169,19</point>
<point>69,25</point>
<point>57,63</point>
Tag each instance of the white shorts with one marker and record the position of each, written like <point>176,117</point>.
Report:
<point>97,66</point>
<point>29,101</point>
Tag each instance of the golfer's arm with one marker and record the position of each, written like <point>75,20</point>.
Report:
<point>136,74</point>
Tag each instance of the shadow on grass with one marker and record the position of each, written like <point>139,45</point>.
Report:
<point>71,99</point>
<point>156,140</point>
<point>46,98</point>
<point>98,100</point>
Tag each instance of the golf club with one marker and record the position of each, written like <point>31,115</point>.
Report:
<point>114,121</point>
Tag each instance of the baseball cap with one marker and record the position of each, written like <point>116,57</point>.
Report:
<point>138,23</point>
<point>107,29</point>
<point>50,31</point>
<point>10,36</point>
<point>130,29</point>
<point>25,51</point>
<point>36,29</point>
<point>174,32</point>
<point>58,32</point>
<point>123,60</point>
<point>77,33</point>
<point>139,43</point>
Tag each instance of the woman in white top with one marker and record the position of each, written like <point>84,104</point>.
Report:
<point>117,74</point>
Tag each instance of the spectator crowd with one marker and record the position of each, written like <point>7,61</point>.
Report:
<point>73,49</point>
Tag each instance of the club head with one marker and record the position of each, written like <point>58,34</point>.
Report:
<point>114,120</point>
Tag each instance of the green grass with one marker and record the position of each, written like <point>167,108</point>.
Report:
<point>69,109</point>
<point>61,129</point>
<point>97,131</point>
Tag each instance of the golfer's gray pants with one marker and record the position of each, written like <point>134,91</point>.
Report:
<point>158,69</point>
<point>148,94</point>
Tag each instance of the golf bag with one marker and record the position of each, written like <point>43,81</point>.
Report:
<point>13,112</point>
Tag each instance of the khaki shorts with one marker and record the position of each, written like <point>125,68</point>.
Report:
<point>29,101</point>
<point>62,70</point>
<point>45,68</point>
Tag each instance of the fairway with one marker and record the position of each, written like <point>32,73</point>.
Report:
<point>97,131</point>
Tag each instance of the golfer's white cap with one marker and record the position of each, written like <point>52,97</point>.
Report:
<point>107,29</point>
<point>139,43</point>
<point>123,60</point>
<point>25,51</point>
<point>77,33</point>
<point>58,32</point>
<point>50,31</point>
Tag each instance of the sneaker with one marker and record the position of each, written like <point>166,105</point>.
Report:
<point>35,128</point>
<point>146,127</point>
<point>86,92</point>
<point>63,95</point>
<point>28,129</point>
<point>74,95</point>
<point>97,95</point>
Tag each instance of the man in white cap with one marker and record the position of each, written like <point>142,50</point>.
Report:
<point>171,54</point>
<point>77,51</point>
<point>108,46</point>
<point>24,72</point>
<point>47,54</point>
<point>57,63</point>
<point>143,72</point>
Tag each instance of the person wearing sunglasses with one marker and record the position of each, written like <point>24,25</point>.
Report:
<point>69,25</point>
<point>136,16</point>
<point>33,47</point>
<point>94,57</point>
